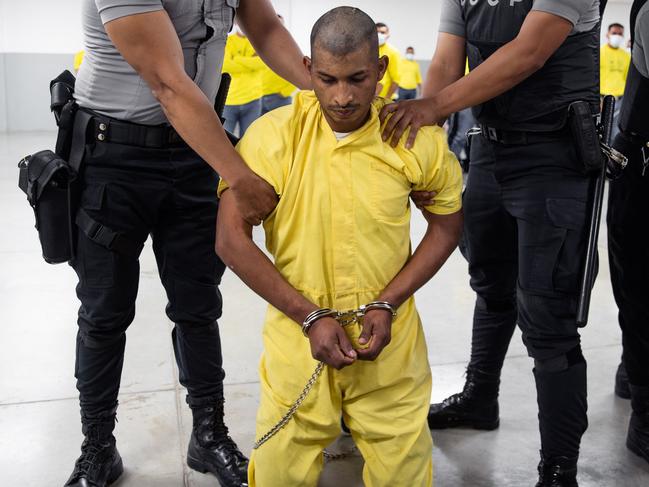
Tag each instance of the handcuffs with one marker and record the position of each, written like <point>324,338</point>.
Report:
<point>345,317</point>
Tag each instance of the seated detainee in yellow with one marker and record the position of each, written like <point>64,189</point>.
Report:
<point>340,238</point>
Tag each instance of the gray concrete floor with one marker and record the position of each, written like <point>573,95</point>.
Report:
<point>39,418</point>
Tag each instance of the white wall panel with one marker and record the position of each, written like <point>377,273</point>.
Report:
<point>43,26</point>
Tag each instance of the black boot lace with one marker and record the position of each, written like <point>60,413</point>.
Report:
<point>220,433</point>
<point>94,454</point>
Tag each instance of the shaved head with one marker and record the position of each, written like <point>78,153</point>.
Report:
<point>345,30</point>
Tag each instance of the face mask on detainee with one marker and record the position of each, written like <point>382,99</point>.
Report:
<point>616,41</point>
<point>410,56</point>
<point>382,38</point>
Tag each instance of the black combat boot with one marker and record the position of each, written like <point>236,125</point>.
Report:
<point>211,449</point>
<point>637,439</point>
<point>475,407</point>
<point>557,472</point>
<point>622,382</point>
<point>99,464</point>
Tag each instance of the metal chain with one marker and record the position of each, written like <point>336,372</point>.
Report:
<point>289,414</point>
<point>345,318</point>
<point>330,457</point>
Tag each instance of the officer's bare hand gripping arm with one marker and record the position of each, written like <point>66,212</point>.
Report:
<point>149,43</point>
<point>329,342</point>
<point>447,91</point>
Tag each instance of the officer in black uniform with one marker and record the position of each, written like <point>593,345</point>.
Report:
<point>628,242</point>
<point>149,142</point>
<point>525,203</point>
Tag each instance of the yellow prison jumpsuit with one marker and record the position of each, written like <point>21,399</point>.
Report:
<point>272,83</point>
<point>245,67</point>
<point>613,69</point>
<point>392,73</point>
<point>339,234</point>
<point>410,75</point>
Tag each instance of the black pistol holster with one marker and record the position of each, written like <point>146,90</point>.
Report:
<point>49,178</point>
<point>47,181</point>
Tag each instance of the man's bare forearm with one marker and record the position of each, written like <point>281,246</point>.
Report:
<point>506,68</point>
<point>239,252</point>
<point>273,42</point>
<point>540,36</point>
<point>438,77</point>
<point>194,118</point>
<point>441,238</point>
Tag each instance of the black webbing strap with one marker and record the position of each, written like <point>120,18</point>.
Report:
<point>105,236</point>
<point>79,132</point>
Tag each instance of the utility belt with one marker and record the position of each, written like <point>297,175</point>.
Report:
<point>51,180</point>
<point>583,129</point>
<point>102,129</point>
<point>516,137</point>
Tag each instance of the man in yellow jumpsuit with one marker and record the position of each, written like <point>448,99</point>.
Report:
<point>409,76</point>
<point>387,87</point>
<point>243,105</point>
<point>340,238</point>
<point>614,63</point>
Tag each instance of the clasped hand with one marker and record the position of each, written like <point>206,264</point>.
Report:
<point>330,344</point>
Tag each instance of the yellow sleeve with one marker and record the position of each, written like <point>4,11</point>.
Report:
<point>233,67</point>
<point>235,62</point>
<point>393,66</point>
<point>440,171</point>
<point>263,148</point>
<point>78,59</point>
<point>626,69</point>
<point>418,75</point>
<point>251,63</point>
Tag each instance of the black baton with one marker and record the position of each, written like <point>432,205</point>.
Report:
<point>588,277</point>
<point>222,95</point>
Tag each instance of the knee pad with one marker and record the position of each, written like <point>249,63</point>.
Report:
<point>560,363</point>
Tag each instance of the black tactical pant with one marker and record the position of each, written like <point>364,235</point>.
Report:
<point>169,194</point>
<point>628,247</point>
<point>525,210</point>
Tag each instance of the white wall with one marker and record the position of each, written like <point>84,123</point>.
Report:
<point>3,95</point>
<point>41,26</point>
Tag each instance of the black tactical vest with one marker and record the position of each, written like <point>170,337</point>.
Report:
<point>540,102</point>
<point>635,107</point>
